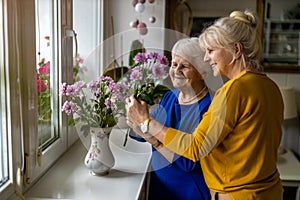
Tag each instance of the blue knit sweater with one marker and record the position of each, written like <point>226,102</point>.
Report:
<point>182,179</point>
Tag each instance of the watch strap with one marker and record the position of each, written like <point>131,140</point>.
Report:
<point>147,121</point>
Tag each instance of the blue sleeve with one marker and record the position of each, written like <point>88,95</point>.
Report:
<point>185,164</point>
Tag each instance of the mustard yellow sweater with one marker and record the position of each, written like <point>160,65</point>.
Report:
<point>238,138</point>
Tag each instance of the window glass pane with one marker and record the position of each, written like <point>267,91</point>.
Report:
<point>3,139</point>
<point>4,162</point>
<point>47,115</point>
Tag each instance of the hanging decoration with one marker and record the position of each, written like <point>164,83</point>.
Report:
<point>152,19</point>
<point>139,7</point>
<point>139,24</point>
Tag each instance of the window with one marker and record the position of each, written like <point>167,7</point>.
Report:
<point>4,151</point>
<point>9,93</point>
<point>46,73</point>
<point>62,30</point>
<point>46,128</point>
<point>5,156</point>
<point>40,131</point>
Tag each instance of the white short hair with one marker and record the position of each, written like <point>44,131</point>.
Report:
<point>190,50</point>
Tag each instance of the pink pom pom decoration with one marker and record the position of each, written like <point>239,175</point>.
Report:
<point>142,28</point>
<point>143,31</point>
<point>134,2</point>
<point>133,24</point>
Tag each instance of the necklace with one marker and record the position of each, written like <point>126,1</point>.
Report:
<point>192,98</point>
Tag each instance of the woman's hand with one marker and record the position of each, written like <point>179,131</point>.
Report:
<point>137,112</point>
<point>154,142</point>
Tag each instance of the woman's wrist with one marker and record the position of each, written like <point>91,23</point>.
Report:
<point>154,142</point>
<point>157,130</point>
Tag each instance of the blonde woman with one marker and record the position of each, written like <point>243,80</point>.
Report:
<point>238,138</point>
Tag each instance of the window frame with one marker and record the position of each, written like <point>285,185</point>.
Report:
<point>64,55</point>
<point>38,161</point>
<point>20,61</point>
<point>9,61</point>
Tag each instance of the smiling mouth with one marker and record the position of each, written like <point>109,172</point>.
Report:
<point>179,76</point>
<point>213,65</point>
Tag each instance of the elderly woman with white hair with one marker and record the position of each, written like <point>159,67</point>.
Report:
<point>173,176</point>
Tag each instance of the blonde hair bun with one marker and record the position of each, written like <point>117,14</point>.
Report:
<point>246,17</point>
<point>239,26</point>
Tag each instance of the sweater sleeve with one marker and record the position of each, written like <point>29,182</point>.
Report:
<point>216,124</point>
<point>184,163</point>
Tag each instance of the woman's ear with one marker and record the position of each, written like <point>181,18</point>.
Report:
<point>238,47</point>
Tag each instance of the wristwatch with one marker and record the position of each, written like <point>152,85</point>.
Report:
<point>145,125</point>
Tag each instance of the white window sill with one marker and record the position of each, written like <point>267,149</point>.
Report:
<point>70,179</point>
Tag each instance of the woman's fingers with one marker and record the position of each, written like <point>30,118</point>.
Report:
<point>137,111</point>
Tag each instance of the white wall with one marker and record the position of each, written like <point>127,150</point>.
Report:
<point>87,25</point>
<point>123,13</point>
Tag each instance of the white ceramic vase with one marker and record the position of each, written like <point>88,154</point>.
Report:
<point>99,158</point>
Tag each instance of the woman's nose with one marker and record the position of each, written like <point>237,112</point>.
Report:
<point>206,57</point>
<point>174,68</point>
<point>177,69</point>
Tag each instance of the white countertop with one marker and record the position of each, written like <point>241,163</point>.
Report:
<point>70,179</point>
<point>289,168</point>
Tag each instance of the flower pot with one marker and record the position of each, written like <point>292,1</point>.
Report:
<point>99,158</point>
